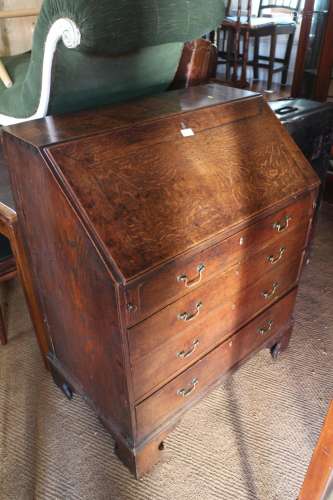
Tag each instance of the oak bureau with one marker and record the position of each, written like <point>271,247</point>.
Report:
<point>166,238</point>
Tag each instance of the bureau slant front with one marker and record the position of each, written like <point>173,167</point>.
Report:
<point>166,238</point>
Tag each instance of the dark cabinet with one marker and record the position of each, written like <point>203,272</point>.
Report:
<point>314,63</point>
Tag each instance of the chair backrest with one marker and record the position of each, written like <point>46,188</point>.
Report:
<point>293,6</point>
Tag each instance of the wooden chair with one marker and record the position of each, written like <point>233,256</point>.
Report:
<point>257,28</point>
<point>7,272</point>
<point>229,41</point>
<point>16,262</point>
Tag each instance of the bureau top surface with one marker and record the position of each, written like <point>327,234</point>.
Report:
<point>178,178</point>
<point>59,128</point>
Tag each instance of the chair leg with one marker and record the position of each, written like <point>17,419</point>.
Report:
<point>236,56</point>
<point>256,58</point>
<point>3,333</point>
<point>271,61</point>
<point>230,54</point>
<point>245,58</point>
<point>287,58</point>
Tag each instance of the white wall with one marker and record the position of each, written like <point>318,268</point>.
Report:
<point>16,34</point>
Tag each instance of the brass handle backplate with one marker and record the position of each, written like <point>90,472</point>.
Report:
<point>190,351</point>
<point>273,259</point>
<point>190,316</point>
<point>189,283</point>
<point>282,225</point>
<point>269,294</point>
<point>187,391</point>
<point>266,329</point>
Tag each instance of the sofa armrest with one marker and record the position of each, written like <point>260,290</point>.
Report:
<point>197,65</point>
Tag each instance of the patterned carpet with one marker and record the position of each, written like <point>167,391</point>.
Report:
<point>250,439</point>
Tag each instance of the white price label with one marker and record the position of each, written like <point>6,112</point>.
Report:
<point>187,132</point>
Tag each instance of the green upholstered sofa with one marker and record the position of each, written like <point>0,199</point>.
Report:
<point>89,53</point>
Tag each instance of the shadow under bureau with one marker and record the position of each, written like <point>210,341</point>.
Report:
<point>166,238</point>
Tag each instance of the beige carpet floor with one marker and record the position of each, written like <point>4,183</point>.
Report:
<point>250,439</point>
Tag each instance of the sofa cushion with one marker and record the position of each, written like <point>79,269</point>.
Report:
<point>13,99</point>
<point>82,80</point>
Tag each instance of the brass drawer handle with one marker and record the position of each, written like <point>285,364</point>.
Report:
<point>266,329</point>
<point>195,281</point>
<point>269,294</point>
<point>186,392</point>
<point>282,225</point>
<point>187,354</point>
<point>274,259</point>
<point>186,316</point>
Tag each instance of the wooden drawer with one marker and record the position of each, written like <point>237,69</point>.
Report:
<point>165,285</point>
<point>164,361</point>
<point>194,308</point>
<point>193,383</point>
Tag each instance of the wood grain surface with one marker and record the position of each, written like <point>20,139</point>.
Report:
<point>182,191</point>
<point>318,483</point>
<point>160,287</point>
<point>154,410</point>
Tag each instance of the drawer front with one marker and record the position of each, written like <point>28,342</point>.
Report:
<point>193,383</point>
<point>163,362</point>
<point>194,308</point>
<point>178,278</point>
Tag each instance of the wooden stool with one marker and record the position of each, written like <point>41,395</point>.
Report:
<point>230,33</point>
<point>243,25</point>
<point>8,269</point>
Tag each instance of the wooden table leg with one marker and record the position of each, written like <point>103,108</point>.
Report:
<point>3,334</point>
<point>271,60</point>
<point>318,483</point>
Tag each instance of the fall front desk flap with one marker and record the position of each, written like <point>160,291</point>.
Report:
<point>194,169</point>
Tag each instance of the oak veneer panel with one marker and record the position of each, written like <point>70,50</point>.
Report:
<point>180,192</point>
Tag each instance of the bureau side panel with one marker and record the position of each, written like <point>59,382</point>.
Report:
<point>77,294</point>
